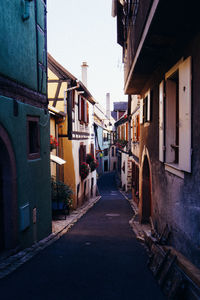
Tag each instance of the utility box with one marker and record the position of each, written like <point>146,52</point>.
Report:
<point>24,217</point>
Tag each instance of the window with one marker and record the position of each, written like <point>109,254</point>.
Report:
<point>92,149</point>
<point>133,130</point>
<point>172,118</point>
<point>105,152</point>
<point>118,133</point>
<point>113,151</point>
<point>135,179</point>
<point>33,137</point>
<point>175,116</point>
<point>83,110</point>
<point>137,128</point>
<point>145,108</point>
<point>105,136</point>
<point>82,154</point>
<point>122,127</point>
<point>126,131</point>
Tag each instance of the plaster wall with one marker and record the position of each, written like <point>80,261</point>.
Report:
<point>175,200</point>
<point>33,176</point>
<point>18,52</point>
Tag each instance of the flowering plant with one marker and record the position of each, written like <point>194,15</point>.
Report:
<point>121,143</point>
<point>53,142</point>
<point>92,162</point>
<point>89,158</point>
<point>84,170</point>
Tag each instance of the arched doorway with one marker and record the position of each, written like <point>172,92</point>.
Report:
<point>8,193</point>
<point>146,191</point>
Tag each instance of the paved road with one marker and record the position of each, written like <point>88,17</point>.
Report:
<point>98,259</point>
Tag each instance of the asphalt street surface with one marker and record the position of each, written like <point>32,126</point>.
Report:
<point>98,259</point>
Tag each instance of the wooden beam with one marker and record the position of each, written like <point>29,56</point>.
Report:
<point>57,93</point>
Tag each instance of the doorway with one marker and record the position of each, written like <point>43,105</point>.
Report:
<point>106,165</point>
<point>2,242</point>
<point>146,191</point>
<point>8,194</point>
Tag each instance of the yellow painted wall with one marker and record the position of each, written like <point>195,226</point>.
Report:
<point>67,171</point>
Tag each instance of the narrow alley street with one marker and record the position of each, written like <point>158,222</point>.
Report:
<point>99,258</point>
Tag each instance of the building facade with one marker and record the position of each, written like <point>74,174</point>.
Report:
<point>104,138</point>
<point>25,207</point>
<point>134,144</point>
<point>75,131</point>
<point>161,58</point>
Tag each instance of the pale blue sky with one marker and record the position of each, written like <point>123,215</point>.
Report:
<point>84,30</point>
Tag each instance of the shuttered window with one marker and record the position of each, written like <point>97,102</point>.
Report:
<point>133,131</point>
<point>83,110</point>
<point>126,131</point>
<point>175,117</point>
<point>137,128</point>
<point>82,154</point>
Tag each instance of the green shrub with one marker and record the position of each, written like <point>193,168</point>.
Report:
<point>61,192</point>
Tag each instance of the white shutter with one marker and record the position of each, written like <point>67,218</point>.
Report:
<point>185,115</point>
<point>161,121</point>
<point>141,111</point>
<point>148,107</point>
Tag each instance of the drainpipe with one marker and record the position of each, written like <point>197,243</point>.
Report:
<point>26,14</point>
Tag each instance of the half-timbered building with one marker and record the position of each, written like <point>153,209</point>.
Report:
<point>75,130</point>
<point>25,207</point>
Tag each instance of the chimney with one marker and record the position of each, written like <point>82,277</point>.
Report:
<point>84,67</point>
<point>108,105</point>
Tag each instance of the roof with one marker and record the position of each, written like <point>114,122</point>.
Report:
<point>62,73</point>
<point>59,68</point>
<point>114,114</point>
<point>122,106</point>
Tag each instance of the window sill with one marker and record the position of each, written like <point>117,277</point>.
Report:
<point>173,168</point>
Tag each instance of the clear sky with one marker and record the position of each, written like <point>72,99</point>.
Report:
<point>84,30</point>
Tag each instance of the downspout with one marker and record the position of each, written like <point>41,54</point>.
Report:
<point>26,14</point>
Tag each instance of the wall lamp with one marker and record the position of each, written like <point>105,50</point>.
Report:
<point>26,9</point>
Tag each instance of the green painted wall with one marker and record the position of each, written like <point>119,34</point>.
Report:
<point>18,51</point>
<point>33,176</point>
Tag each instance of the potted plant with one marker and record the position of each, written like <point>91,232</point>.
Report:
<point>121,143</point>
<point>84,170</point>
<point>53,142</point>
<point>89,158</point>
<point>61,195</point>
<point>94,165</point>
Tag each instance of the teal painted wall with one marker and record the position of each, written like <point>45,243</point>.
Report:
<point>18,51</point>
<point>33,176</point>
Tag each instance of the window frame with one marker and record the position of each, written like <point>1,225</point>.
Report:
<point>184,69</point>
